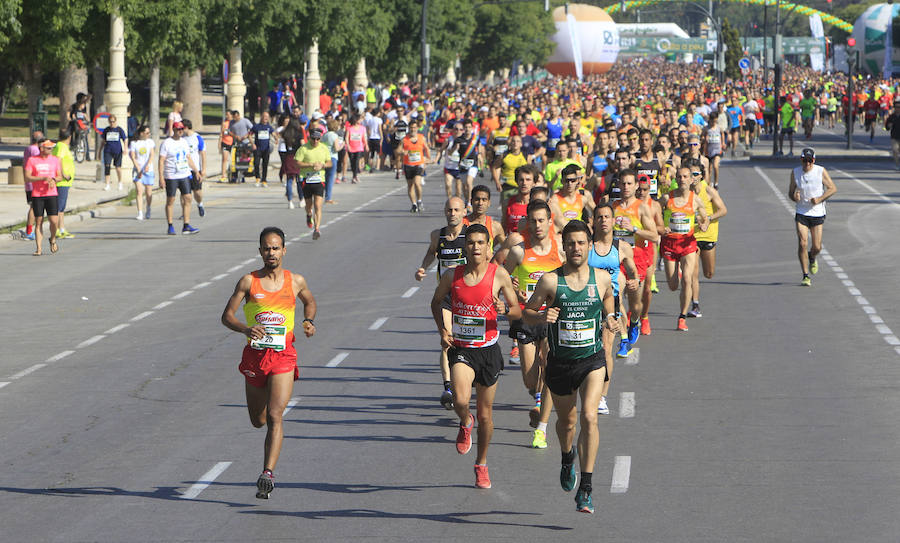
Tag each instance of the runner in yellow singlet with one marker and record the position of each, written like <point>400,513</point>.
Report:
<point>569,202</point>
<point>706,241</point>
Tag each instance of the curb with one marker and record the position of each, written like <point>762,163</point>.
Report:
<point>823,157</point>
<point>78,214</point>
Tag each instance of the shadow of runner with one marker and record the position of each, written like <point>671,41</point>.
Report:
<point>161,493</point>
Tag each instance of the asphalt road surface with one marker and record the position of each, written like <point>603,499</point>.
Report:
<point>122,413</point>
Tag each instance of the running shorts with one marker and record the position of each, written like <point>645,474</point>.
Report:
<point>313,189</point>
<point>62,197</point>
<point>527,333</point>
<point>706,245</point>
<point>454,173</point>
<point>412,171</point>
<point>643,259</point>
<point>175,185</point>
<point>564,376</point>
<point>805,220</point>
<point>114,158</point>
<point>675,247</point>
<point>42,204</point>
<point>28,197</point>
<point>258,364</point>
<point>486,361</point>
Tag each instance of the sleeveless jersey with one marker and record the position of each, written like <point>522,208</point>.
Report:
<point>611,262</point>
<point>501,140</point>
<point>633,213</point>
<point>650,168</point>
<point>508,167</point>
<point>450,253</point>
<point>680,219</point>
<point>468,152</point>
<point>570,211</point>
<point>415,151</point>
<point>489,224</point>
<point>533,266</point>
<point>515,211</point>
<point>810,186</point>
<point>474,317</point>
<point>401,127</point>
<point>554,133</point>
<point>273,310</point>
<point>712,232</point>
<point>576,332</point>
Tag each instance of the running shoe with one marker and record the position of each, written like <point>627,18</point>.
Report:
<point>602,408</point>
<point>806,281</point>
<point>264,184</point>
<point>414,209</point>
<point>69,235</point>
<point>482,479</point>
<point>316,234</point>
<point>534,416</point>
<point>695,311</point>
<point>140,217</point>
<point>29,237</point>
<point>653,288</point>
<point>290,204</point>
<point>147,215</point>
<point>188,229</point>
<point>538,439</point>
<point>583,502</point>
<point>813,266</point>
<point>265,484</point>
<point>464,437</point>
<point>120,186</point>
<point>645,326</point>
<point>447,400</point>
<point>624,348</point>
<point>201,210</point>
<point>107,187</point>
<point>514,355</point>
<point>682,324</point>
<point>420,206</point>
<point>308,220</point>
<point>256,184</point>
<point>634,333</point>
<point>396,174</point>
<point>568,476</point>
<point>171,230</point>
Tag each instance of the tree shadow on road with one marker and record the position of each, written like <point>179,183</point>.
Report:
<point>160,493</point>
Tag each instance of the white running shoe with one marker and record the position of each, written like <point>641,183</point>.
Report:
<point>106,187</point>
<point>120,186</point>
<point>290,205</point>
<point>140,216</point>
<point>602,408</point>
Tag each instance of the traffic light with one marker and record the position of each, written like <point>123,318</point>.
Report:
<point>851,42</point>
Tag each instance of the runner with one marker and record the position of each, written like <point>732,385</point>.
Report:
<point>706,241</point>
<point>113,140</point>
<point>399,129</point>
<point>481,204</point>
<point>141,151</point>
<point>415,154</point>
<point>678,245</point>
<point>264,137</point>
<point>269,360</point>
<point>177,167</point>
<point>471,155</point>
<point>504,175</point>
<point>871,108</point>
<point>452,182</point>
<point>713,139</point>
<point>43,171</point>
<point>67,167</point>
<point>579,303</point>
<point>810,187</point>
<point>448,246</point>
<point>474,291</point>
<point>570,203</point>
<point>313,157</point>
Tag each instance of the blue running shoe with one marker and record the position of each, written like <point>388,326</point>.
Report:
<point>568,477</point>
<point>201,209</point>
<point>188,229</point>
<point>583,502</point>
<point>634,333</point>
<point>171,230</point>
<point>29,237</point>
<point>624,348</point>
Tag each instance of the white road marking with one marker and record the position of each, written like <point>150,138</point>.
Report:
<point>377,324</point>
<point>90,341</point>
<point>117,327</point>
<point>291,404</point>
<point>892,340</point>
<point>205,480</point>
<point>626,405</point>
<point>182,294</point>
<point>140,316</point>
<point>26,371</point>
<point>220,276</point>
<point>234,268</point>
<point>621,474</point>
<point>248,261</point>
<point>3,383</point>
<point>410,292</point>
<point>338,358</point>
<point>163,304</point>
<point>59,356</point>
<point>886,332</point>
<point>203,284</point>
<point>634,358</point>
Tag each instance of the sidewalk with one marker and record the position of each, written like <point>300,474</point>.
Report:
<point>831,145</point>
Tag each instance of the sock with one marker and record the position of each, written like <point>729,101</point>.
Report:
<point>199,204</point>
<point>29,229</point>
<point>682,316</point>
<point>586,482</point>
<point>695,302</point>
<point>542,426</point>
<point>447,385</point>
<point>569,457</point>
<point>470,425</point>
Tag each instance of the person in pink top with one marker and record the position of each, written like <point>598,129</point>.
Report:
<point>42,171</point>
<point>30,151</point>
<point>356,144</point>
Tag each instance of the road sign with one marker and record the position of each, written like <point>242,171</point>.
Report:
<point>101,121</point>
<point>225,71</point>
<point>744,63</point>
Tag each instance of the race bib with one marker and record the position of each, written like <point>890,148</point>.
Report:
<point>314,178</point>
<point>571,214</point>
<point>415,156</point>
<point>618,231</point>
<point>112,136</point>
<point>263,136</point>
<point>355,137</point>
<point>576,333</point>
<point>275,338</point>
<point>452,262</point>
<point>181,162</point>
<point>454,156</point>
<point>468,329</point>
<point>467,163</point>
<point>715,137</point>
<point>500,149</point>
<point>551,143</point>
<point>679,223</point>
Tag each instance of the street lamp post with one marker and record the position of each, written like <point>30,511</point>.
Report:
<point>852,61</point>
<point>776,58</point>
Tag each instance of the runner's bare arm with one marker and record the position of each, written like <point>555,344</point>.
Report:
<point>241,290</point>
<point>437,312</point>
<point>309,304</point>
<point>544,293</point>
<point>501,254</point>
<point>429,255</point>
<point>509,306</point>
<point>793,193</point>
<point>604,284</point>
<point>647,219</point>
<point>700,210</point>
<point>719,209</point>
<point>626,256</point>
<point>830,189</point>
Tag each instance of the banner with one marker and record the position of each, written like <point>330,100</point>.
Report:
<point>703,46</point>
<point>817,59</point>
<point>576,46</point>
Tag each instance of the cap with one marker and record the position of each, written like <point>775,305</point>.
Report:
<point>317,115</point>
<point>177,124</point>
<point>808,153</point>
<point>47,143</point>
<point>316,133</point>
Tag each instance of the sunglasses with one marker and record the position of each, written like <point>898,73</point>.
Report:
<point>694,144</point>
<point>571,179</point>
<point>696,174</point>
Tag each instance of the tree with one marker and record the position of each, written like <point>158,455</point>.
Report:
<point>508,33</point>
<point>9,23</point>
<point>733,50</point>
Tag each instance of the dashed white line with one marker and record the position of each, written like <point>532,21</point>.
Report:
<point>116,328</point>
<point>220,276</point>
<point>234,268</point>
<point>626,405</point>
<point>876,319</point>
<point>377,324</point>
<point>140,316</point>
<point>182,294</point>
<point>205,480</point>
<point>297,238</point>
<point>90,341</point>
<point>291,404</point>
<point>248,261</point>
<point>621,474</point>
<point>163,304</point>
<point>203,284</point>
<point>59,356</point>
<point>633,359</point>
<point>3,383</point>
<point>410,292</point>
<point>26,371</point>
<point>338,358</point>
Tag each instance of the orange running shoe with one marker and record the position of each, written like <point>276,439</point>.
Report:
<point>482,479</point>
<point>645,326</point>
<point>464,437</point>
<point>682,324</point>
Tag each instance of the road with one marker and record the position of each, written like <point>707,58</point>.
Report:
<point>123,415</point>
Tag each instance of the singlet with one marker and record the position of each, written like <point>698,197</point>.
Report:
<point>450,252</point>
<point>468,152</point>
<point>275,311</point>
<point>712,232</point>
<point>576,332</point>
<point>680,219</point>
<point>501,140</point>
<point>570,211</point>
<point>515,211</point>
<point>533,266</point>
<point>401,127</point>
<point>554,133</point>
<point>489,224</point>
<point>508,167</point>
<point>474,317</point>
<point>650,168</point>
<point>611,262</point>
<point>810,186</point>
<point>633,213</point>
<point>713,142</point>
<point>414,152</point>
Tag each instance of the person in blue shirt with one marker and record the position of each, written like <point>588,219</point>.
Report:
<point>274,97</point>
<point>113,141</point>
<point>735,122</point>
<point>263,136</point>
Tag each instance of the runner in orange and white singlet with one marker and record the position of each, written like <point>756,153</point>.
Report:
<point>569,202</point>
<point>415,153</point>
<point>481,203</point>
<point>269,361</point>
